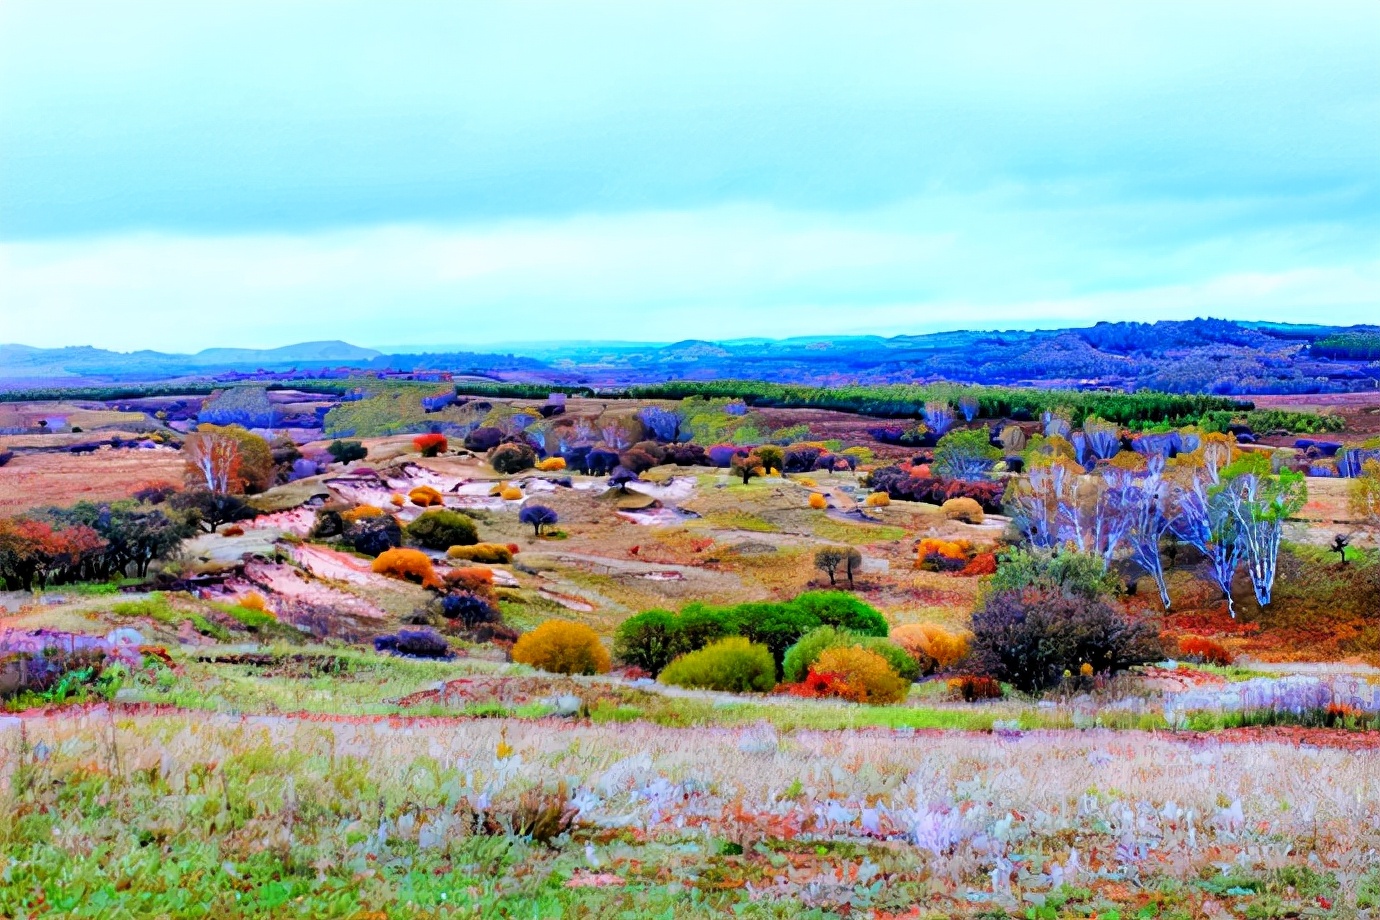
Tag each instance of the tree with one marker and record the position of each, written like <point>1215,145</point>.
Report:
<point>210,509</point>
<point>213,462</point>
<point>771,457</point>
<point>747,465</point>
<point>967,455</point>
<point>1201,516</point>
<point>939,417</point>
<point>1148,512</point>
<point>1261,501</point>
<point>539,517</point>
<point>828,560</point>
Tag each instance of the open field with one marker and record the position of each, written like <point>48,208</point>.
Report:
<point>245,751</point>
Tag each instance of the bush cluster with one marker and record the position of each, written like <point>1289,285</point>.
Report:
<point>733,664</point>
<point>442,528</point>
<point>803,655</point>
<point>486,553</point>
<point>854,673</point>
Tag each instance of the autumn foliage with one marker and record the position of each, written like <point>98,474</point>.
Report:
<point>429,445</point>
<point>1205,650</point>
<point>408,564</point>
<point>853,673</point>
<point>932,646</point>
<point>562,647</point>
<point>425,497</point>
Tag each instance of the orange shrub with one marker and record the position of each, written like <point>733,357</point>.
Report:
<point>396,499</point>
<point>818,501</point>
<point>253,601</point>
<point>1201,648</point>
<point>878,500</point>
<point>359,512</point>
<point>981,564</point>
<point>937,555</point>
<point>234,530</point>
<point>552,465</point>
<point>425,497</point>
<point>408,564</point>
<point>511,494</point>
<point>933,646</point>
<point>562,647</point>
<point>854,673</point>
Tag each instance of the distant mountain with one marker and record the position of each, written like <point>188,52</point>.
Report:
<point>1200,355</point>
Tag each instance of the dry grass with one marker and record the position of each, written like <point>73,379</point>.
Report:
<point>33,480</point>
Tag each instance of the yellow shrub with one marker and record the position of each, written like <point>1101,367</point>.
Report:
<point>933,646</point>
<point>360,512</point>
<point>511,494</point>
<point>866,675</point>
<point>487,553</point>
<point>562,647</point>
<point>552,465</point>
<point>408,564</point>
<point>425,496</point>
<point>878,499</point>
<point>818,501</point>
<point>963,509</point>
<point>254,601</point>
<point>807,482</point>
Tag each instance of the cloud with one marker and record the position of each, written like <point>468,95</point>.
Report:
<point>1010,257</point>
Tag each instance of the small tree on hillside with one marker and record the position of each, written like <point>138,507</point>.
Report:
<point>747,466</point>
<point>539,517</point>
<point>213,462</point>
<point>832,558</point>
<point>967,455</point>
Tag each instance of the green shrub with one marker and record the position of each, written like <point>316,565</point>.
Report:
<point>777,626</point>
<point>486,553</point>
<point>647,640</point>
<point>442,528</point>
<point>839,608</point>
<point>733,664</point>
<point>1076,573</point>
<point>346,451</point>
<point>512,458</point>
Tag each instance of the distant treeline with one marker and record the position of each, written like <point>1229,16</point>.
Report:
<point>116,392</point>
<point>905,401</point>
<point>1351,346</point>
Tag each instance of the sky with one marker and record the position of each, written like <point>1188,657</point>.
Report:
<point>252,174</point>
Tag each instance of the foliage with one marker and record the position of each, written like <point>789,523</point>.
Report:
<point>551,465</point>
<point>1348,346</point>
<point>801,656</point>
<point>442,528</point>
<point>839,608</point>
<point>228,459</point>
<point>733,664</point>
<point>853,673</point>
<point>562,647</point>
<point>1076,573</point>
<point>239,405</point>
<point>1364,497</point>
<point>360,512</point>
<point>967,455</point>
<point>906,483</point>
<point>487,553</point>
<point>388,411</point>
<point>512,458</point>
<point>777,626</point>
<point>33,551</point>
<point>346,451</point>
<point>748,465</point>
<point>933,647</point>
<point>425,497</point>
<point>374,535</point>
<point>818,501</point>
<point>210,509</point>
<point>1031,638</point>
<point>407,564</point>
<point>964,509</point>
<point>538,517</point>
<point>936,555</point>
<point>469,609</point>
<point>878,500</point>
<point>1205,650</point>
<point>973,688</point>
<point>429,445</point>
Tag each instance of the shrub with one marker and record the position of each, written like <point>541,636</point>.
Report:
<point>878,500</point>
<point>966,510</point>
<point>346,451</point>
<point>839,608</point>
<point>512,458</point>
<point>442,528</point>
<point>234,530</point>
<point>1076,573</point>
<point>647,640</point>
<point>468,609</point>
<point>562,647</point>
<point>484,439</point>
<point>429,445</point>
<point>637,460</point>
<point>408,564</point>
<point>981,564</point>
<point>932,647</point>
<point>970,688</point>
<point>396,500</point>
<point>487,553</point>
<point>510,494</point>
<point>1030,638</point>
<point>801,656</point>
<point>425,497</point>
<point>733,664</point>
<point>777,626</point>
<point>359,513</point>
<point>476,579</point>
<point>375,535</point>
<point>539,517</point>
<point>552,465</point>
<point>1204,650</point>
<point>818,501</point>
<point>857,674</point>
<point>937,555</point>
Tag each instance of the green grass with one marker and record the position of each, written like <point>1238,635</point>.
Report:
<point>158,608</point>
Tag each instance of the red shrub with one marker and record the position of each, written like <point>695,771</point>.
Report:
<point>429,445</point>
<point>981,564</point>
<point>1208,651</point>
<point>971,689</point>
<point>233,531</point>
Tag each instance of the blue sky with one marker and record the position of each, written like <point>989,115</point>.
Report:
<point>179,175</point>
